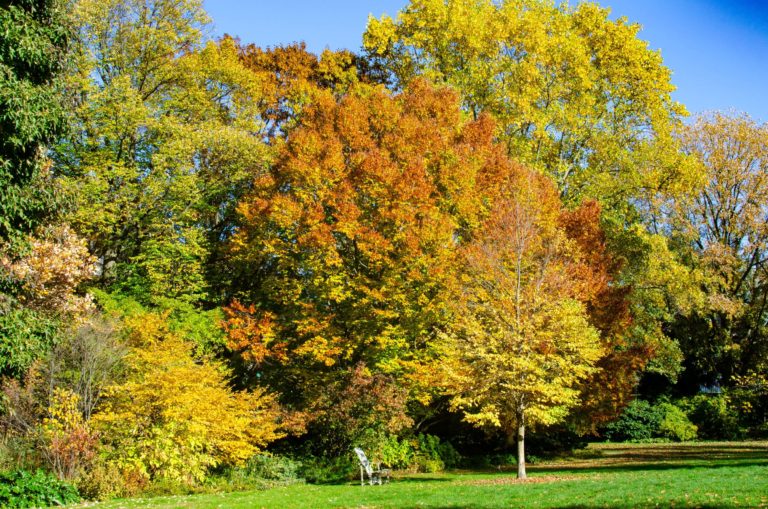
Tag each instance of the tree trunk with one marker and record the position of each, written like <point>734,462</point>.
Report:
<point>521,450</point>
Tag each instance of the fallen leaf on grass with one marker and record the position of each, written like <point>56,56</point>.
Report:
<point>515,480</point>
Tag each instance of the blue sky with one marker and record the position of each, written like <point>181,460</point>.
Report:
<point>717,49</point>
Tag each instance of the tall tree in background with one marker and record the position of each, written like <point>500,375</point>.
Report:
<point>574,93</point>
<point>167,138</point>
<point>32,56</point>
<point>725,226</point>
<point>582,99</point>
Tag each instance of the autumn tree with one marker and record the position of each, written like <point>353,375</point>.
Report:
<point>167,139</point>
<point>361,408</point>
<point>609,389</point>
<point>574,93</point>
<point>346,245</point>
<point>581,98</point>
<point>724,230</point>
<point>291,76</point>
<point>47,282</point>
<point>521,343</point>
<point>48,275</point>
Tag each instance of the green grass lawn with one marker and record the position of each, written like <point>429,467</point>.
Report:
<point>706,475</point>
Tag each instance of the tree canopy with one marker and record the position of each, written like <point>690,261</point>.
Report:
<point>724,227</point>
<point>346,245</point>
<point>574,93</point>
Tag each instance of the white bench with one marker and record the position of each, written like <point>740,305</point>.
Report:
<point>376,475</point>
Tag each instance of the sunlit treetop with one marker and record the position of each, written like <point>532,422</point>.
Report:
<point>575,94</point>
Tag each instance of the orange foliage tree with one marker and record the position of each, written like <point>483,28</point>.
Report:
<point>345,248</point>
<point>290,76</point>
<point>608,390</point>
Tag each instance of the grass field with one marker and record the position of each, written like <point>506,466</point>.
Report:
<point>705,475</point>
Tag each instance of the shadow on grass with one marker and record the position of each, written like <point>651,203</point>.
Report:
<point>416,479</point>
<point>625,458</point>
<point>683,452</point>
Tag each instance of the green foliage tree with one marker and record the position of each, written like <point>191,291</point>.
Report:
<point>33,46</point>
<point>167,139</point>
<point>25,336</point>
<point>32,56</point>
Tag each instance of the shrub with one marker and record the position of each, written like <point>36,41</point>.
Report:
<point>27,336</point>
<point>320,470</point>
<point>644,422</point>
<point>70,445</point>
<point>260,472</point>
<point>433,449</point>
<point>750,396</point>
<point>18,453</point>
<point>175,417</point>
<point>392,452</point>
<point>759,432</point>
<point>21,488</point>
<point>361,408</point>
<point>552,441</point>
<point>498,460</point>
<point>639,421</point>
<point>106,480</point>
<point>715,416</point>
<point>427,465</point>
<point>423,453</point>
<point>272,468</point>
<point>675,424</point>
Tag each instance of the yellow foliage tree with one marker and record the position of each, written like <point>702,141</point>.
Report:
<point>580,97</point>
<point>575,93</point>
<point>521,344</point>
<point>174,416</point>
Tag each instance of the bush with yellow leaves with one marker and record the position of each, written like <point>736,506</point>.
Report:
<point>174,416</point>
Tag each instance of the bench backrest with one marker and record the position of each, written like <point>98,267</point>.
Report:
<point>364,460</point>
